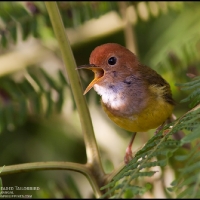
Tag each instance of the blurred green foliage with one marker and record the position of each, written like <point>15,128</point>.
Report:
<point>33,123</point>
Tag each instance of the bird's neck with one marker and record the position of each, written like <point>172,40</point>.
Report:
<point>111,95</point>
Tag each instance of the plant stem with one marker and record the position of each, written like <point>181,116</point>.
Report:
<point>93,157</point>
<point>83,169</point>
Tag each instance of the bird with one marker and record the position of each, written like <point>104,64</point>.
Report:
<point>133,95</point>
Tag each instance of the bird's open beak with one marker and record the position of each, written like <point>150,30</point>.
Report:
<point>98,74</point>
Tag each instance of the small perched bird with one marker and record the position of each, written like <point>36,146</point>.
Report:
<point>133,95</point>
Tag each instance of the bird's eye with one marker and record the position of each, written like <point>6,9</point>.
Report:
<point>112,61</point>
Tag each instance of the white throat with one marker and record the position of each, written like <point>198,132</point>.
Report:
<point>111,95</point>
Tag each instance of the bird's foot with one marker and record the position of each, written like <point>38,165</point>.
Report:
<point>128,156</point>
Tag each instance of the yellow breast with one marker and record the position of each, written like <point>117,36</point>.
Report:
<point>153,115</point>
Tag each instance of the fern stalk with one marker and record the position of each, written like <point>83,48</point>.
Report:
<point>85,119</point>
<point>93,169</point>
<point>38,166</point>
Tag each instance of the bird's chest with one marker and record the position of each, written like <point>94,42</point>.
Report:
<point>120,100</point>
<point>112,96</point>
<point>132,109</point>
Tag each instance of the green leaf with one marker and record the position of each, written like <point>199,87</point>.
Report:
<point>26,87</point>
<point>60,100</point>
<point>194,94</point>
<point>169,143</point>
<point>191,168</point>
<point>49,104</point>
<point>50,80</point>
<point>129,193</point>
<point>13,32</point>
<point>132,190</point>
<point>174,183</point>
<point>26,29</point>
<point>191,87</point>
<point>187,193</point>
<point>9,115</point>
<point>3,40</point>
<point>160,163</point>
<point>62,78</point>
<point>193,135</point>
<point>191,83</point>
<point>20,99</point>
<point>34,27</point>
<point>189,181</point>
<point>2,119</point>
<point>72,188</point>
<point>22,111</point>
<point>139,174</point>
<point>195,101</point>
<point>111,184</point>
<point>36,103</point>
<point>182,157</point>
<point>163,152</point>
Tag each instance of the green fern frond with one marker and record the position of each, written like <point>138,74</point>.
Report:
<point>168,50</point>
<point>158,147</point>
<point>31,16</point>
<point>187,185</point>
<point>12,14</point>
<point>140,166</point>
<point>31,96</point>
<point>157,151</point>
<point>194,96</point>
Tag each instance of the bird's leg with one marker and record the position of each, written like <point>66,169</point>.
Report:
<point>128,156</point>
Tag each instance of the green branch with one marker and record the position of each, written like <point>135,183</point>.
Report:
<point>93,169</point>
<point>87,128</point>
<point>83,169</point>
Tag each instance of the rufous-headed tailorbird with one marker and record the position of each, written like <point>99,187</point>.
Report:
<point>133,95</point>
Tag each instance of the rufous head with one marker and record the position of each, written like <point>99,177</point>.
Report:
<point>110,62</point>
